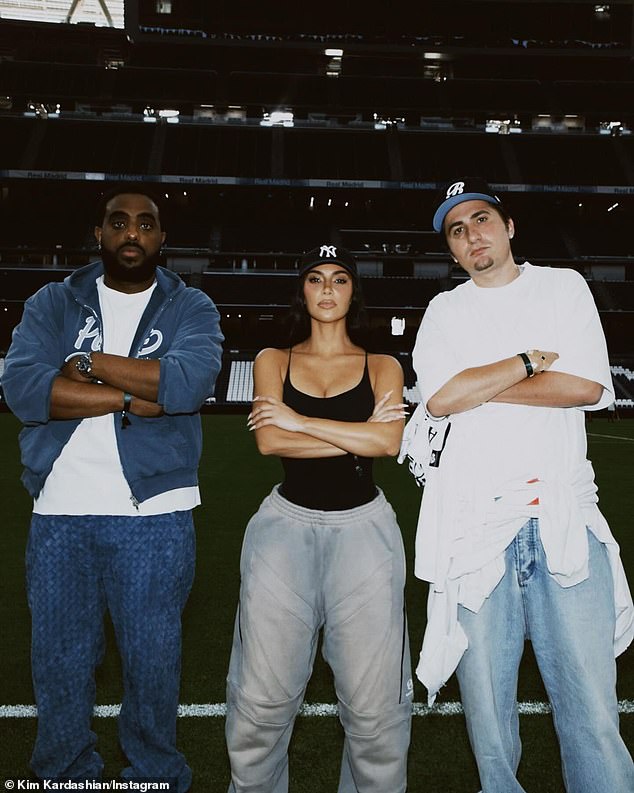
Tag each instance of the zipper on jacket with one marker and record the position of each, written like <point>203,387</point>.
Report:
<point>125,419</point>
<point>149,325</point>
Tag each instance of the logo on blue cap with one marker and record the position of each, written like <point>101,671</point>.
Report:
<point>455,189</point>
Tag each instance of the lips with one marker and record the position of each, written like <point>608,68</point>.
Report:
<point>131,250</point>
<point>327,304</point>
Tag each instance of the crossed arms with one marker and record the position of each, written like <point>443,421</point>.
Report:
<point>40,386</point>
<point>506,381</point>
<point>281,431</point>
<point>73,396</point>
<point>447,342</point>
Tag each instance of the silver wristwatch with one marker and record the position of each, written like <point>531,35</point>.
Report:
<point>83,364</point>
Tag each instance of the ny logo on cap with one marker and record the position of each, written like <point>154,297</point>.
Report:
<point>455,189</point>
<point>326,251</point>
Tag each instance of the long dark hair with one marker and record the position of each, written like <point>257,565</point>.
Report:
<point>298,319</point>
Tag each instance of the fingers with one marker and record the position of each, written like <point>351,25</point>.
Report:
<point>262,401</point>
<point>401,407</point>
<point>263,398</point>
<point>398,406</point>
<point>549,359</point>
<point>271,418</point>
<point>383,399</point>
<point>542,360</point>
<point>261,422</point>
<point>273,413</point>
<point>382,403</point>
<point>390,413</point>
<point>387,419</point>
<point>254,420</point>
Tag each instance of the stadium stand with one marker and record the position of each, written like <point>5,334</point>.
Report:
<point>240,387</point>
<point>538,106</point>
<point>624,386</point>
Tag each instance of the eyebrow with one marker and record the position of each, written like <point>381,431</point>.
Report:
<point>476,214</point>
<point>141,216</point>
<point>321,272</point>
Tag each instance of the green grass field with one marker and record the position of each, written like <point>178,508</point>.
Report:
<point>234,479</point>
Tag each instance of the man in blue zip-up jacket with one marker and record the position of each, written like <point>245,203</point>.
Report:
<point>107,371</point>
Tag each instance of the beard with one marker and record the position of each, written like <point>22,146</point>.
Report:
<point>130,273</point>
<point>483,264</point>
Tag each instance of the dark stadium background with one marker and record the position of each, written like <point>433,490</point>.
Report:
<point>537,97</point>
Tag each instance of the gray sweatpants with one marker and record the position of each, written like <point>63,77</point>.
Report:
<point>302,570</point>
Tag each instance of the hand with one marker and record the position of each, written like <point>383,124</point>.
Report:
<point>269,411</point>
<point>540,360</point>
<point>384,413</point>
<point>144,408</point>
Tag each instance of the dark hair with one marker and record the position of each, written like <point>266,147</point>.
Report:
<point>298,319</point>
<point>134,189</point>
<point>499,208</point>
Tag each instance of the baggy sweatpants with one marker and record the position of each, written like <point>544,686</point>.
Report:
<point>141,569</point>
<point>302,570</point>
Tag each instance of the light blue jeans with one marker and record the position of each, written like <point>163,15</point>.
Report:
<point>571,630</point>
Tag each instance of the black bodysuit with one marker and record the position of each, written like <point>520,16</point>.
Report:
<point>330,483</point>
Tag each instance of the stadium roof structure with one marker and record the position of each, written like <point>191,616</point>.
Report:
<point>339,121</point>
<point>108,13</point>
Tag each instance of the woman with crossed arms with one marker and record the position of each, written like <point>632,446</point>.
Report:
<point>324,549</point>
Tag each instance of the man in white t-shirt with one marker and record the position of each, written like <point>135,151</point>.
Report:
<point>510,536</point>
<point>107,371</point>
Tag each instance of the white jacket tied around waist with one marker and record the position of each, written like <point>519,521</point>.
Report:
<point>460,551</point>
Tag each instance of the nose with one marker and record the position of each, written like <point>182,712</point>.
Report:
<point>473,232</point>
<point>132,232</point>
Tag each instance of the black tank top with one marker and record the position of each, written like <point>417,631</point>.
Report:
<point>330,483</point>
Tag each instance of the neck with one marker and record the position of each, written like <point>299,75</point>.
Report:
<point>496,277</point>
<point>128,287</point>
<point>328,338</point>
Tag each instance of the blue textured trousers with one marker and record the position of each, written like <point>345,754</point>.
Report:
<point>141,569</point>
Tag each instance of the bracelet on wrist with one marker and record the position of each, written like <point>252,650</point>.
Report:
<point>127,401</point>
<point>530,371</point>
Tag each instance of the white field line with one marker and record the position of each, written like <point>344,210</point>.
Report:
<point>626,706</point>
<point>610,437</point>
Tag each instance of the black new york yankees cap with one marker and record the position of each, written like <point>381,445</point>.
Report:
<point>327,254</point>
<point>468,189</point>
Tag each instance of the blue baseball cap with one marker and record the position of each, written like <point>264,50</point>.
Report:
<point>469,189</point>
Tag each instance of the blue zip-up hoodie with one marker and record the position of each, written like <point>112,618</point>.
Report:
<point>180,326</point>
